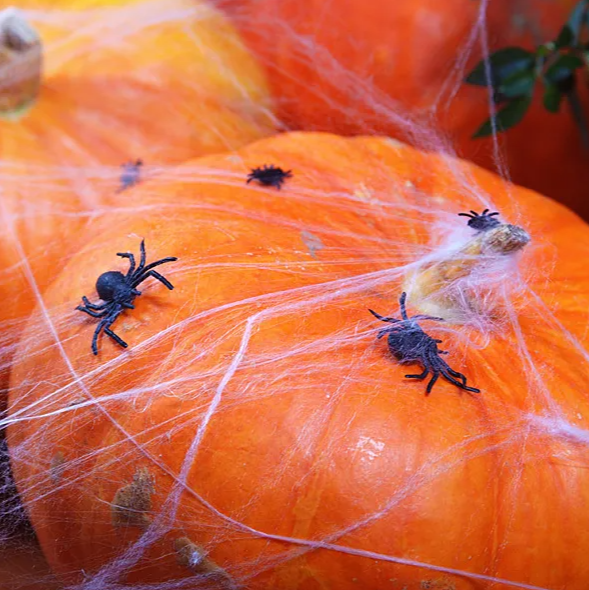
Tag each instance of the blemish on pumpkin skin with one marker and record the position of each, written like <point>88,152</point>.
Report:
<point>313,243</point>
<point>302,575</point>
<point>129,325</point>
<point>57,467</point>
<point>193,557</point>
<point>132,503</point>
<point>439,584</point>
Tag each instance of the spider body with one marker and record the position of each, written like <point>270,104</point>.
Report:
<point>118,291</point>
<point>483,221</point>
<point>409,344</point>
<point>130,175</point>
<point>269,176</point>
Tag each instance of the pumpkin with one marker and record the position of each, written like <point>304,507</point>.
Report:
<point>398,68</point>
<point>258,434</point>
<point>161,81</point>
<point>89,86</point>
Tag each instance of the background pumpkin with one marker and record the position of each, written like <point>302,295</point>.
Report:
<point>158,80</point>
<point>351,66</point>
<point>161,81</point>
<point>256,424</point>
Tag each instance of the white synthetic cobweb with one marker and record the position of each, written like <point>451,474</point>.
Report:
<point>246,372</point>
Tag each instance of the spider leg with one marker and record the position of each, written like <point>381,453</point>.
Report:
<point>471,389</point>
<point>437,349</point>
<point>474,213</point>
<point>465,215</point>
<point>115,337</point>
<point>439,366</point>
<point>402,301</point>
<point>485,212</point>
<point>127,305</point>
<point>131,261</point>
<point>94,306</point>
<point>142,259</point>
<point>159,277</point>
<point>461,385</point>
<point>99,328</point>
<point>384,319</point>
<point>140,276</point>
<point>94,314</point>
<point>420,376</point>
<point>435,364</point>
<point>463,378</point>
<point>457,375</point>
<point>432,381</point>
<point>450,378</point>
<point>494,213</point>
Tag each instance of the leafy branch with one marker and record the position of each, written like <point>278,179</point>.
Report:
<point>513,73</point>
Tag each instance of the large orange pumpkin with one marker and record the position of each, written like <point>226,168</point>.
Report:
<point>397,67</point>
<point>157,81</point>
<point>257,434</point>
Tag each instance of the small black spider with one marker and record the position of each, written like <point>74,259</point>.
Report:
<point>482,222</point>
<point>118,292</point>
<point>269,175</point>
<point>130,175</point>
<point>410,344</point>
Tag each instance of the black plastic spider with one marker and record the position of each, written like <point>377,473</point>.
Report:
<point>130,175</point>
<point>118,292</point>
<point>410,344</point>
<point>269,175</point>
<point>482,222</point>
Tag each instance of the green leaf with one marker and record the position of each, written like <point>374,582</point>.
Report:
<point>577,18</point>
<point>519,84</point>
<point>478,77</point>
<point>576,107</point>
<point>545,49</point>
<point>511,114</point>
<point>563,68</point>
<point>552,98</point>
<point>565,37</point>
<point>503,64</point>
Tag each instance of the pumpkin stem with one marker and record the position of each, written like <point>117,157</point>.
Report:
<point>446,287</point>
<point>21,60</point>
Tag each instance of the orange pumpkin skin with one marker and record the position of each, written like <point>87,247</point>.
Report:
<point>162,81</point>
<point>255,414</point>
<point>157,81</point>
<point>397,68</point>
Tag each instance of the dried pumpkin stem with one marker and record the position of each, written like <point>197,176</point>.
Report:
<point>438,288</point>
<point>21,62</point>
